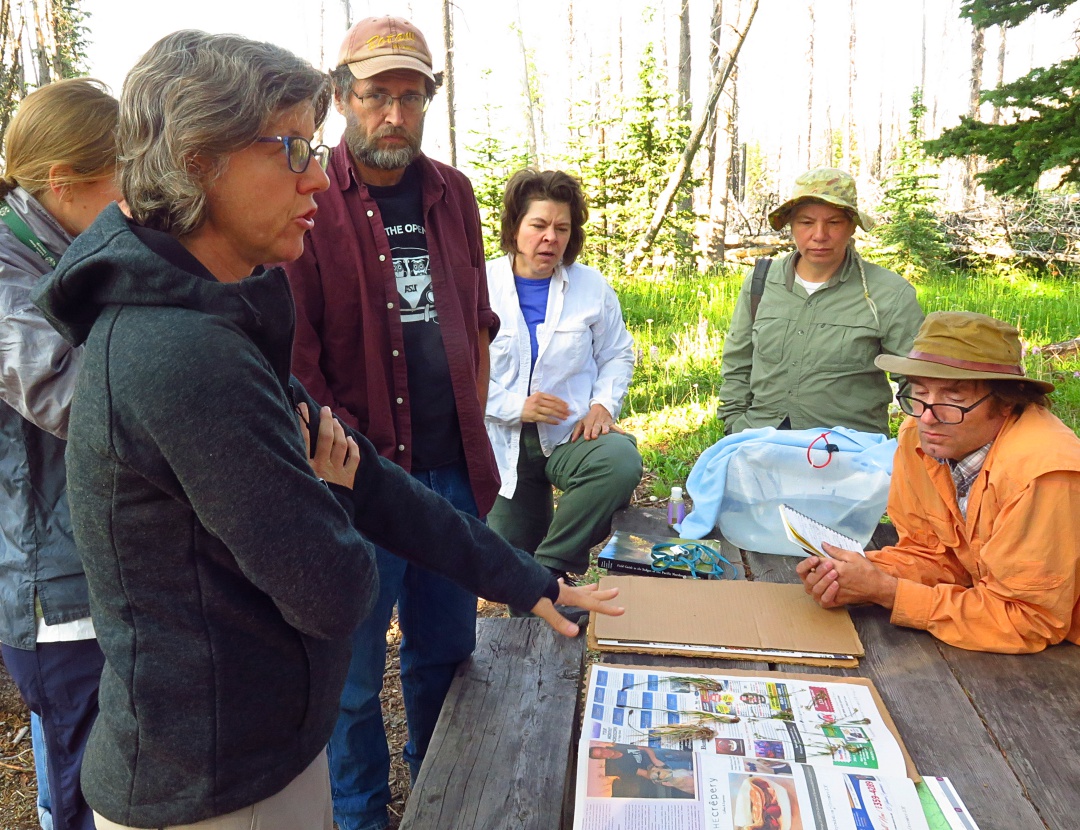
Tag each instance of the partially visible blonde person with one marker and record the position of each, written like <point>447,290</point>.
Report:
<point>60,160</point>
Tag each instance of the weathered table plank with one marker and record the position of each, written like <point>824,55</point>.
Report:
<point>501,755</point>
<point>1031,705</point>
<point>940,728</point>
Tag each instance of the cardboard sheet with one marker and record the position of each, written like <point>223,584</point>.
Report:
<point>672,616</point>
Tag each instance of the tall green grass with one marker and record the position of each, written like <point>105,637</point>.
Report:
<point>679,321</point>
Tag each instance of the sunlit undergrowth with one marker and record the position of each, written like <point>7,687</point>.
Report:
<point>678,322</point>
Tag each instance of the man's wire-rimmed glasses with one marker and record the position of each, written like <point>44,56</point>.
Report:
<point>299,151</point>
<point>411,102</point>
<point>945,413</point>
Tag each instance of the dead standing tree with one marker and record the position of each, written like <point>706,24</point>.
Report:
<point>684,86</point>
<point>44,37</point>
<point>849,139</point>
<point>717,163</point>
<point>810,90</point>
<point>971,166</point>
<point>448,76</point>
<point>682,168</point>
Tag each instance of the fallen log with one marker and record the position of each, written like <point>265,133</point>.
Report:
<point>1058,349</point>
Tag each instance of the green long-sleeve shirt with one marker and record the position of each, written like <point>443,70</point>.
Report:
<point>811,358</point>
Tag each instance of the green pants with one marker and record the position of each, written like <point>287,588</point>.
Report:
<point>596,478</point>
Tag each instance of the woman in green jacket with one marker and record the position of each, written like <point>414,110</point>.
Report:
<point>804,357</point>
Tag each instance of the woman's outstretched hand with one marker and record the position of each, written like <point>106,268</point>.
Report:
<point>587,597</point>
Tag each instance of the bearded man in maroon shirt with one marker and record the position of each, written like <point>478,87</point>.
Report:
<point>393,324</point>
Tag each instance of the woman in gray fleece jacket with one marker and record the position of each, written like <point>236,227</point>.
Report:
<point>225,578</point>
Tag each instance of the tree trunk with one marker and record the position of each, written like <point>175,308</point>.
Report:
<point>684,59</point>
<point>685,202</point>
<point>10,64</point>
<point>995,118</point>
<point>570,58</point>
<point>922,61</point>
<point>622,72</point>
<point>41,49</point>
<point>448,76</point>
<point>346,7</point>
<point>682,169</point>
<point>737,166</point>
<point>971,167</point>
<point>712,241</point>
<point>715,22</point>
<point>880,158</point>
<point>849,138</point>
<point>530,103</point>
<point>810,90</point>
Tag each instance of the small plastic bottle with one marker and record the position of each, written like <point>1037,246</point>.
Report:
<point>676,508</point>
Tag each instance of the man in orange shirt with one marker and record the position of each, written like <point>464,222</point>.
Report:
<point>985,494</point>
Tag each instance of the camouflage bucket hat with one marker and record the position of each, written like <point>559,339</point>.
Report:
<point>825,184</point>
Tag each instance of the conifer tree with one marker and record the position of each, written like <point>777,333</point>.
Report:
<point>1045,134</point>
<point>913,238</point>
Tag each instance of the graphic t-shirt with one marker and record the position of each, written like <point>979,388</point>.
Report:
<point>436,435</point>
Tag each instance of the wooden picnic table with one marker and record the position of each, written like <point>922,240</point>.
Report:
<point>1004,728</point>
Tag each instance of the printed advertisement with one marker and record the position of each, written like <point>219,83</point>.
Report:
<point>773,720</point>
<point>628,787</point>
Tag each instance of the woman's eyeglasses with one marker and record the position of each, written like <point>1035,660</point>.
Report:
<point>299,151</point>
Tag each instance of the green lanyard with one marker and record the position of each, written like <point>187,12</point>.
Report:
<point>26,236</point>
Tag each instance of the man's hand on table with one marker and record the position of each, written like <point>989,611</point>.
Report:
<point>588,597</point>
<point>847,578</point>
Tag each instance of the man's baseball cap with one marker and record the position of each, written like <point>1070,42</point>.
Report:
<point>379,44</point>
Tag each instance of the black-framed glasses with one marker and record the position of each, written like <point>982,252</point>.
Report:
<point>299,151</point>
<point>945,413</point>
<point>411,102</point>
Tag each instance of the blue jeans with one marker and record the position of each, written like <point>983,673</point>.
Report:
<point>44,805</point>
<point>59,681</point>
<point>438,631</point>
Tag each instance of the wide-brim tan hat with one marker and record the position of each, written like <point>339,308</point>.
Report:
<point>963,345</point>
<point>825,184</point>
<point>380,44</point>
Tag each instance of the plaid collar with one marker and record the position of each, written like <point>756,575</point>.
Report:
<point>965,471</point>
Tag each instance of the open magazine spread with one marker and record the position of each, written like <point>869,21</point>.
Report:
<point>678,751</point>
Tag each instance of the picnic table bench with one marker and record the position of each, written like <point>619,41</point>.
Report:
<point>1005,729</point>
<point>502,754</point>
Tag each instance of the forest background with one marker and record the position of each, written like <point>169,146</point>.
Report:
<point>687,120</point>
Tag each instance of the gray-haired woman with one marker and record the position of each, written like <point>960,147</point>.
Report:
<point>225,578</point>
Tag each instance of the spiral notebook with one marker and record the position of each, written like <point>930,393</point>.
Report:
<point>809,534</point>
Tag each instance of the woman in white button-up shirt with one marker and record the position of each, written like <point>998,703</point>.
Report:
<point>560,367</point>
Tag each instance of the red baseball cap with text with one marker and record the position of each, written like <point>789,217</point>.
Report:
<point>380,44</point>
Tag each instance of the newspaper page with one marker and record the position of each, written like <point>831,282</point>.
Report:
<point>774,719</point>
<point>628,787</point>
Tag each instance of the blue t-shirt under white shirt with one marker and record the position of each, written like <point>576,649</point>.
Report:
<point>532,297</point>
